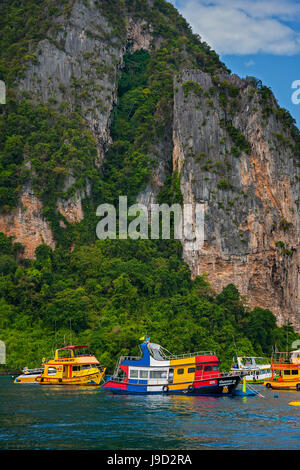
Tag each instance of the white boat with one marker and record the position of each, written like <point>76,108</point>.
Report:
<point>255,369</point>
<point>29,375</point>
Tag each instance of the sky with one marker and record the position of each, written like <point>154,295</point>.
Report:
<point>260,38</point>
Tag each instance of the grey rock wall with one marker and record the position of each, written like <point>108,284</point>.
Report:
<point>252,218</point>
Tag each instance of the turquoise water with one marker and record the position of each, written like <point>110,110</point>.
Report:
<point>50,417</point>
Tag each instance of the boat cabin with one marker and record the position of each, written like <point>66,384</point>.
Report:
<point>157,368</point>
<point>255,369</point>
<point>286,366</point>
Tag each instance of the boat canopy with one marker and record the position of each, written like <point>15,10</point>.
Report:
<point>73,347</point>
<point>69,351</point>
<point>251,361</point>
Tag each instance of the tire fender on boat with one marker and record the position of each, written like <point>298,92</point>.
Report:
<point>191,388</point>
<point>165,388</point>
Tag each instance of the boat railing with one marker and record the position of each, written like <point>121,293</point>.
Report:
<point>169,356</point>
<point>129,358</point>
<point>121,359</point>
<point>282,358</point>
<point>193,354</point>
<point>32,371</point>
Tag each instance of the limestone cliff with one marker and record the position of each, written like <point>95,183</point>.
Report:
<point>27,225</point>
<point>251,196</point>
<point>225,136</point>
<point>76,65</point>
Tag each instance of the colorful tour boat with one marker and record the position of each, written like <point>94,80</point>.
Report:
<point>70,368</point>
<point>255,369</point>
<point>285,368</point>
<point>159,371</point>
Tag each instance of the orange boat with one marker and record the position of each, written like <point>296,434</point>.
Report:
<point>285,368</point>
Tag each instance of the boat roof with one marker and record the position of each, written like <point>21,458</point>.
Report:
<point>73,347</point>
<point>251,357</point>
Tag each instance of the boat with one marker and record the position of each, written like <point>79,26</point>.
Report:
<point>255,369</point>
<point>29,375</point>
<point>285,368</point>
<point>157,371</point>
<point>69,367</point>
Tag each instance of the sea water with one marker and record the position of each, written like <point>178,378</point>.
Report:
<point>34,416</point>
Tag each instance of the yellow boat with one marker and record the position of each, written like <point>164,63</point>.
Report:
<point>70,368</point>
<point>28,376</point>
<point>285,368</point>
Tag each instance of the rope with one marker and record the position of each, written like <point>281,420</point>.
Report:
<point>253,390</point>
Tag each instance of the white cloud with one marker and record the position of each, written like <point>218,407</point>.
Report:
<point>244,26</point>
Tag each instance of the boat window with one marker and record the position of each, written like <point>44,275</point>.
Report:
<point>294,372</point>
<point>52,371</point>
<point>158,374</point>
<point>191,370</point>
<point>215,368</point>
<point>180,371</point>
<point>86,366</point>
<point>75,368</point>
<point>199,367</point>
<point>134,373</point>
<point>287,372</point>
<point>144,374</point>
<point>207,368</point>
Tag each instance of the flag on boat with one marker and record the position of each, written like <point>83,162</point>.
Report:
<point>144,338</point>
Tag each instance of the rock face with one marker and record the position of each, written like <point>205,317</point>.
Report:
<point>232,155</point>
<point>77,65</point>
<point>27,224</point>
<point>251,196</point>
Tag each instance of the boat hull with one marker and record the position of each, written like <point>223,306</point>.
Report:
<point>224,386</point>
<point>87,380</point>
<point>26,378</point>
<point>284,385</point>
<point>219,386</point>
